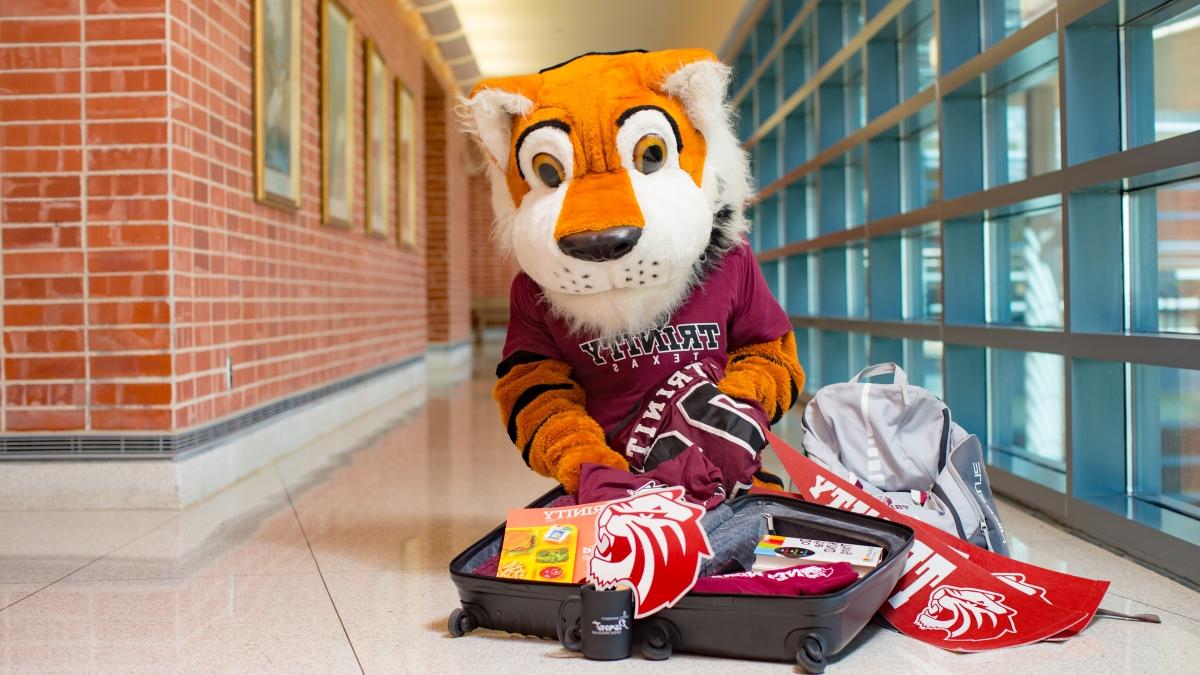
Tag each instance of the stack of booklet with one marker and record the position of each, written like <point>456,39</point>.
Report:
<point>775,552</point>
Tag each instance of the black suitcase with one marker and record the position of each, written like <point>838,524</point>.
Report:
<point>805,629</point>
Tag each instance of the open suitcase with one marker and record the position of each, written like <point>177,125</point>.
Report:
<point>805,629</point>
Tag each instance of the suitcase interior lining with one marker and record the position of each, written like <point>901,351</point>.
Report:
<point>734,531</point>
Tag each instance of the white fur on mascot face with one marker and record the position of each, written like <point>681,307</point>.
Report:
<point>641,288</point>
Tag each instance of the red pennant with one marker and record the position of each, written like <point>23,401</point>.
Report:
<point>955,595</point>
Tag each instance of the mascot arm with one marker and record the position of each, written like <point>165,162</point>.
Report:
<point>766,372</point>
<point>543,408</point>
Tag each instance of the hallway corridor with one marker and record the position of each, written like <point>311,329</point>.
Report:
<point>334,558</point>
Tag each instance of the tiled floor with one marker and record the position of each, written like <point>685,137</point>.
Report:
<point>334,559</point>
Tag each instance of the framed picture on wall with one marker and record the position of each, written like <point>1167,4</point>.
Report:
<point>406,166</point>
<point>277,102</point>
<point>337,115</point>
<point>379,192</point>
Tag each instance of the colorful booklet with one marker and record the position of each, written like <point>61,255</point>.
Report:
<point>549,544</point>
<point>775,552</point>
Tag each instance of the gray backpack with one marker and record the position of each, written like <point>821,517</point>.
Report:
<point>897,442</point>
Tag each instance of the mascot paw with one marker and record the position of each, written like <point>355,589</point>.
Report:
<point>567,471</point>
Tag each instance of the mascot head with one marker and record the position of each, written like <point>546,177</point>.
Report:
<point>615,177</point>
<point>967,614</point>
<point>653,542</point>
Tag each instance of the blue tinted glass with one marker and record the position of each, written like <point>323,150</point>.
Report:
<point>1166,452</point>
<point>856,188</point>
<point>919,157</point>
<point>917,48</point>
<point>923,363</point>
<point>768,223</point>
<point>1005,17</point>
<point>921,250</point>
<point>1160,62</point>
<point>1025,269</point>
<point>1021,111</point>
<point>1164,258</point>
<point>1026,414</point>
<point>856,280</point>
<point>802,285</point>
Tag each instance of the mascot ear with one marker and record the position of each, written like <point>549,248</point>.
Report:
<point>491,109</point>
<point>700,82</point>
<point>695,78</point>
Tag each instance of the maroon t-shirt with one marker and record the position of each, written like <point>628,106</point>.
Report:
<point>730,308</point>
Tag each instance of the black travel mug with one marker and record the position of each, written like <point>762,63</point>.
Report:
<point>598,623</point>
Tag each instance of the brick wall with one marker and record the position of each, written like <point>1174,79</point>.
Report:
<point>135,258</point>
<point>83,184</point>
<point>447,216</point>
<point>491,273</point>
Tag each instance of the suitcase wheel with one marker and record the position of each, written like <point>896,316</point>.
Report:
<point>811,655</point>
<point>656,641</point>
<point>461,622</point>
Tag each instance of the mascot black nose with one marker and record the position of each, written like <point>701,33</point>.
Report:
<point>601,245</point>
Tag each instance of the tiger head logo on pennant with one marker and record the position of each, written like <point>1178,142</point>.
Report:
<point>653,542</point>
<point>967,614</point>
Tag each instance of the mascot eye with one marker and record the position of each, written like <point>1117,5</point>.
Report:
<point>650,153</point>
<point>549,169</point>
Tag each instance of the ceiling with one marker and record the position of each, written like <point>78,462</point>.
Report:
<point>513,37</point>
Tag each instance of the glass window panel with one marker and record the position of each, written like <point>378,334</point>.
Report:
<point>855,104</point>
<point>923,363</point>
<point>771,271</point>
<point>799,136</point>
<point>800,220</point>
<point>764,37</point>
<point>858,347</point>
<point>919,157</point>
<point>1162,78</point>
<point>856,280</point>
<point>1026,415</point>
<point>1164,258</point>
<point>852,19</point>
<point>766,155</point>
<point>768,223</point>
<point>789,9</point>
<point>917,48</point>
<point>884,349</point>
<point>921,251</point>
<point>798,58</point>
<point>743,67</point>
<point>755,228</point>
<point>1024,269</point>
<point>1166,448</point>
<point>1023,125</point>
<point>802,285</point>
<point>856,187</point>
<point>767,89</point>
<point>808,342</point>
<point>1005,17</point>
<point>746,116</point>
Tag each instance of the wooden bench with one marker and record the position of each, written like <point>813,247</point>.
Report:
<point>488,312</point>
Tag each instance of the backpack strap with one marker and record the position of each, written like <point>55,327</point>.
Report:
<point>898,376</point>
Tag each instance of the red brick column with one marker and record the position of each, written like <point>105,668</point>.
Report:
<point>85,212</point>
<point>447,221</point>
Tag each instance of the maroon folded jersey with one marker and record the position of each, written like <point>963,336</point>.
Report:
<point>688,410</point>
<point>699,478</point>
<point>810,579</point>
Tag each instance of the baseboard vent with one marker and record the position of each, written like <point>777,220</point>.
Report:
<point>177,445</point>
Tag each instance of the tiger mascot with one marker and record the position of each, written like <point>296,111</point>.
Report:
<point>619,185</point>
